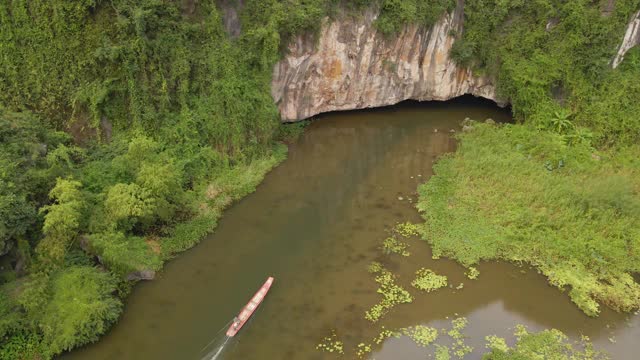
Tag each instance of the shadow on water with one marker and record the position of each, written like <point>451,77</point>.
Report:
<point>315,223</point>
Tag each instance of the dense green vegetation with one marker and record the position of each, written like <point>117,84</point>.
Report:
<point>552,58</point>
<point>126,128</point>
<point>560,190</point>
<point>394,14</point>
<point>547,344</point>
<point>516,193</point>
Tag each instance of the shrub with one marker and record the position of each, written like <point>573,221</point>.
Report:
<point>81,308</point>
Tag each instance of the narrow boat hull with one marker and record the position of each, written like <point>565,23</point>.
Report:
<point>250,308</point>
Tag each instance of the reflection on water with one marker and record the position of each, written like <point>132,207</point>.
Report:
<point>315,224</point>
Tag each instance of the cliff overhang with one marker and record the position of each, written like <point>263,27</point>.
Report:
<point>350,65</point>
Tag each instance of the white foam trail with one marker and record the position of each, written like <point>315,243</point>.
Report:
<point>219,350</point>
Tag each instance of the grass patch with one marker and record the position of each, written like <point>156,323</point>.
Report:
<point>514,193</point>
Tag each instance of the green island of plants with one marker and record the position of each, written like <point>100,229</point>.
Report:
<point>427,280</point>
<point>547,344</point>
<point>496,198</point>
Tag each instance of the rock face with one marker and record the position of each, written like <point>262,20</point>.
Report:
<point>631,39</point>
<point>230,17</point>
<point>141,275</point>
<point>352,66</point>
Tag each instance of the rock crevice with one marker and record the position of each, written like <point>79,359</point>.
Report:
<point>353,66</point>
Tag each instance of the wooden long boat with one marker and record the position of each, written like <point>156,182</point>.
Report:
<point>250,308</point>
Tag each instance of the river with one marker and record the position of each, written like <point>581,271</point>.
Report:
<point>315,223</point>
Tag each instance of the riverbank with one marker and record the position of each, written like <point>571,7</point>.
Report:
<point>64,300</point>
<point>515,193</point>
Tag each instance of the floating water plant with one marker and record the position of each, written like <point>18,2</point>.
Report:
<point>472,273</point>
<point>362,350</point>
<point>496,343</point>
<point>331,344</point>
<point>442,353</point>
<point>546,344</point>
<point>421,335</point>
<point>391,245</point>
<point>407,229</point>
<point>427,280</point>
<point>392,294</point>
<point>460,349</point>
<point>385,334</point>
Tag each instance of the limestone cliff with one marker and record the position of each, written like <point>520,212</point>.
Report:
<point>352,66</point>
<point>631,39</point>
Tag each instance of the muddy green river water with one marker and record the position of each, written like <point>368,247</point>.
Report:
<point>315,223</point>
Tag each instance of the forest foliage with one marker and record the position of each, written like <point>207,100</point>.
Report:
<point>126,127</point>
<point>551,57</point>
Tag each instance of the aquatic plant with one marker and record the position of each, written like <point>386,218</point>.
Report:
<point>375,267</point>
<point>547,344</point>
<point>407,229</point>
<point>496,199</point>
<point>459,348</point>
<point>362,350</point>
<point>331,344</point>
<point>385,334</point>
<point>421,335</point>
<point>392,293</point>
<point>428,281</point>
<point>391,245</point>
<point>442,352</point>
<point>472,273</point>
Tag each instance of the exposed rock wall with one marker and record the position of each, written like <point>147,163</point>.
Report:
<point>631,39</point>
<point>352,66</point>
<point>230,16</point>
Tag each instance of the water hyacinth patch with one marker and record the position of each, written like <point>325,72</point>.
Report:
<point>391,245</point>
<point>428,281</point>
<point>407,229</point>
<point>546,344</point>
<point>577,225</point>
<point>421,335</point>
<point>472,273</point>
<point>392,294</point>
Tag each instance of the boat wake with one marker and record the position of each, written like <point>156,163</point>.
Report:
<point>215,354</point>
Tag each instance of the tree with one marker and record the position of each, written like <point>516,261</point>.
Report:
<point>62,220</point>
<point>25,142</point>
<point>80,308</point>
<point>127,204</point>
